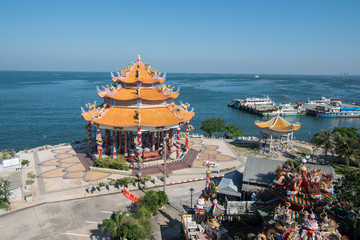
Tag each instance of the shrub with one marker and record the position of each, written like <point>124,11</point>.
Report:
<point>4,205</point>
<point>151,201</point>
<point>24,162</point>
<point>163,198</point>
<point>114,163</point>
<point>31,175</point>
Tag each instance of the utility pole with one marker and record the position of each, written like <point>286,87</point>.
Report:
<point>164,147</point>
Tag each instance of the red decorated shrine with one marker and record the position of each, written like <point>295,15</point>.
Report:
<point>299,205</point>
<point>137,114</point>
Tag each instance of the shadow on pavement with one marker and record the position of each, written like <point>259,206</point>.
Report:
<point>172,229</point>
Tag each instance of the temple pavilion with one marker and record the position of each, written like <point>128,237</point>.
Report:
<point>277,127</point>
<point>137,114</point>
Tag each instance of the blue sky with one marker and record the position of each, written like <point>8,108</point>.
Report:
<point>254,36</point>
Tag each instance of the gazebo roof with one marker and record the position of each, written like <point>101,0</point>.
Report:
<point>125,94</point>
<point>119,117</point>
<point>278,124</point>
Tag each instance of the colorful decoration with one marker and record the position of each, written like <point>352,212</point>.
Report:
<point>88,129</point>
<point>297,205</point>
<point>99,142</point>
<point>114,144</point>
<point>137,87</point>
<point>178,142</point>
<point>171,139</point>
<point>139,147</point>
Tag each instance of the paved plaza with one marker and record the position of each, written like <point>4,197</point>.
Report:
<point>62,209</point>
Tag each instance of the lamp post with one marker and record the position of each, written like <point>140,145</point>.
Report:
<point>45,141</point>
<point>164,149</point>
<point>191,190</point>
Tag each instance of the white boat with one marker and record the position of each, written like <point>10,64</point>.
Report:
<point>256,76</point>
<point>286,110</point>
<point>257,101</point>
<point>338,112</point>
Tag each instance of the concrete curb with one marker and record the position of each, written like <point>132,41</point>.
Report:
<point>112,193</point>
<point>192,180</point>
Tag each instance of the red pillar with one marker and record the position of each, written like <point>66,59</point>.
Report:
<point>125,142</point>
<point>157,140</point>
<point>187,135</point>
<point>164,143</point>
<point>89,135</point>
<point>178,141</point>
<point>139,146</point>
<point>171,139</point>
<point>153,141</point>
<point>114,144</point>
<point>120,142</point>
<point>99,142</point>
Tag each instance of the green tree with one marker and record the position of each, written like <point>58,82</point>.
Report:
<point>350,132</point>
<point>213,125</point>
<point>114,224</point>
<point>324,139</point>
<point>349,149</point>
<point>347,189</point>
<point>5,154</point>
<point>232,130</point>
<point>163,198</point>
<point>142,212</point>
<point>151,201</point>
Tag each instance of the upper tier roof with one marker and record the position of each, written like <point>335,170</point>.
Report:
<point>278,124</point>
<point>130,93</point>
<point>147,74</point>
<point>128,117</point>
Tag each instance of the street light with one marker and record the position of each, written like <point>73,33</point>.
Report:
<point>191,190</point>
<point>164,147</point>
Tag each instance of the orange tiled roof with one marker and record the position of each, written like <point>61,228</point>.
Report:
<point>278,124</point>
<point>154,117</point>
<point>131,76</point>
<point>130,93</point>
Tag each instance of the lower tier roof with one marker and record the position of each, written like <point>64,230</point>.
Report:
<point>118,117</point>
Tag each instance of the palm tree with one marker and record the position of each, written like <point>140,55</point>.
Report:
<point>349,149</point>
<point>114,224</point>
<point>324,139</point>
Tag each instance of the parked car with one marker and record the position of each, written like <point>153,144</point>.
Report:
<point>212,163</point>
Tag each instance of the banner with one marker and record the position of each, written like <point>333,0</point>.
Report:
<point>11,162</point>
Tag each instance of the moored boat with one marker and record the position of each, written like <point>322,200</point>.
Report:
<point>286,110</point>
<point>339,112</point>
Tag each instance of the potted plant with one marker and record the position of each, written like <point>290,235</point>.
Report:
<point>28,197</point>
<point>31,176</point>
<point>145,179</point>
<point>111,183</point>
<point>126,181</point>
<point>90,189</point>
<point>24,163</point>
<point>28,184</point>
<point>102,186</point>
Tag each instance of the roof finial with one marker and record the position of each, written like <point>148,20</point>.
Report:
<point>139,59</point>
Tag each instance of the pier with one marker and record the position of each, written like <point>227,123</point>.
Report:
<point>259,109</point>
<point>267,108</point>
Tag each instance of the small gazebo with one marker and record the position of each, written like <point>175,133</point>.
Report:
<point>277,127</point>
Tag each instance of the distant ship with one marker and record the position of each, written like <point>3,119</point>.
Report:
<point>256,76</point>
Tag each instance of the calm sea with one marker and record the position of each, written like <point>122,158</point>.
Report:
<point>44,107</point>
